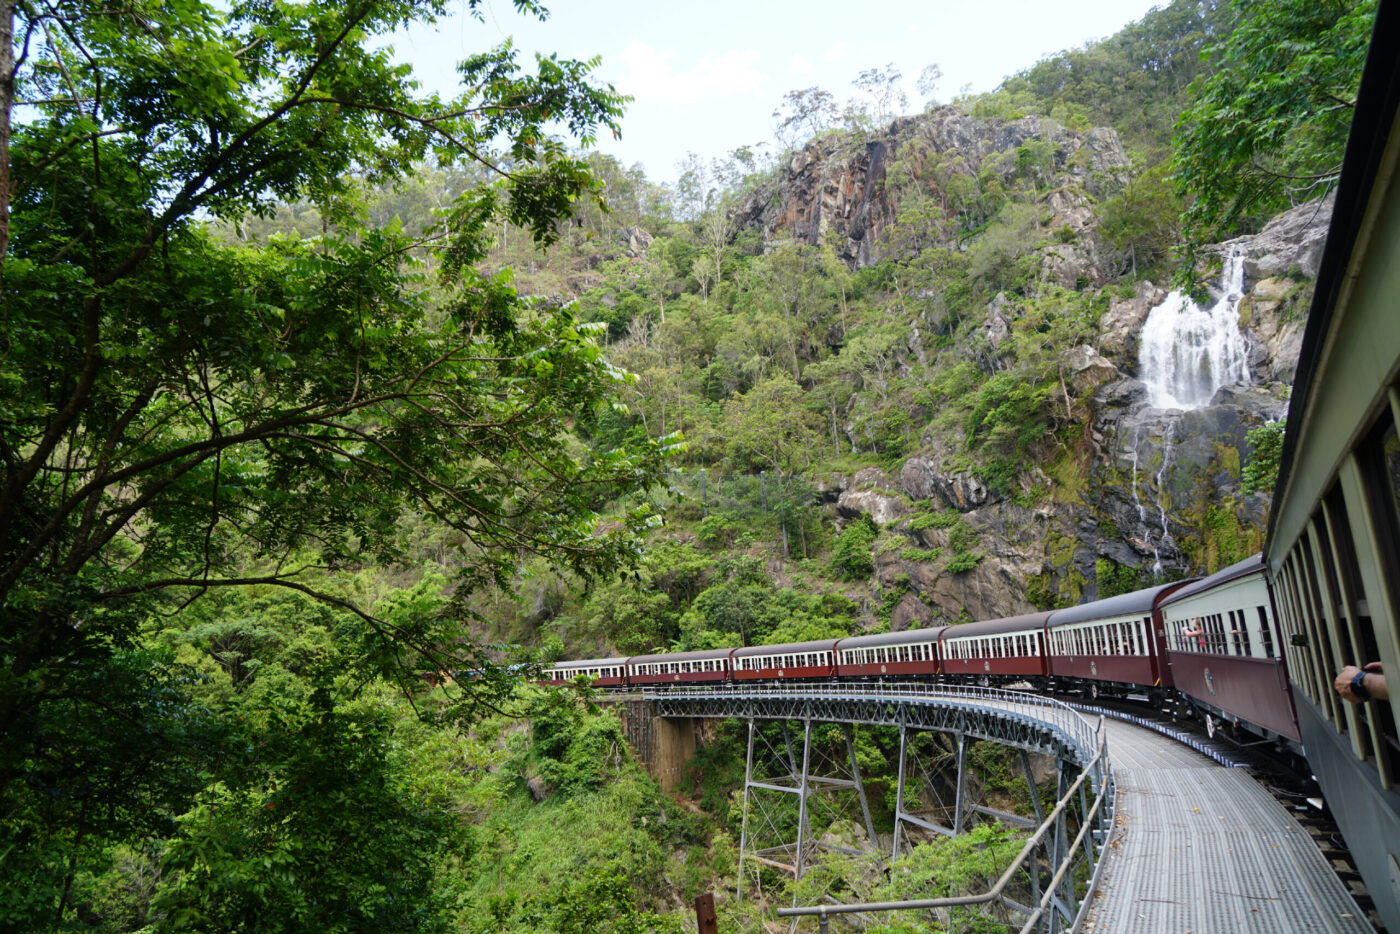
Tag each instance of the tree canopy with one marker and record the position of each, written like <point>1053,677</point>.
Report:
<point>1267,126</point>
<point>183,414</point>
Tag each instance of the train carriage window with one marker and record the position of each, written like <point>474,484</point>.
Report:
<point>1304,661</point>
<point>1380,472</point>
<point>1378,462</point>
<point>1315,614</point>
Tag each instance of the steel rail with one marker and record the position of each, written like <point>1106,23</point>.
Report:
<point>957,901</point>
<point>1053,713</point>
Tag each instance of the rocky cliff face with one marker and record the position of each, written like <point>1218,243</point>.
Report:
<point>834,187</point>
<point>1144,490</point>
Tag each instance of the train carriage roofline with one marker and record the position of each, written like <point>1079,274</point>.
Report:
<point>1251,565</point>
<point>1026,622</point>
<point>907,637</point>
<point>587,663</point>
<point>698,655</point>
<point>1137,603</point>
<point>786,648</point>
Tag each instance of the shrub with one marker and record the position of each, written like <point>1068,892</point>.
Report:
<point>851,557</point>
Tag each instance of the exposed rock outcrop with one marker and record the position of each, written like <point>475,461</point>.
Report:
<point>1290,244</point>
<point>829,187</point>
<point>925,478</point>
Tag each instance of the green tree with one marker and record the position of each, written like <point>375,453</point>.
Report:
<point>1267,128</point>
<point>322,820</point>
<point>183,414</point>
<point>770,428</point>
<point>1144,219</point>
<point>1260,471</point>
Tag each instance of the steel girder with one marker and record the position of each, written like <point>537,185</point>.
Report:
<point>981,722</point>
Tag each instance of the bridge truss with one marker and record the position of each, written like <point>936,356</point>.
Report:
<point>1046,886</point>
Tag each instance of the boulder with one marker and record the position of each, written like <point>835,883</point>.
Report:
<point>539,789</point>
<point>1290,243</point>
<point>922,479</point>
<point>1088,370</point>
<point>883,508</point>
<point>1121,324</point>
<point>1063,264</point>
<point>637,239</point>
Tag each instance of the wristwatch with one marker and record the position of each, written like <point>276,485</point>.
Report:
<point>1358,686</point>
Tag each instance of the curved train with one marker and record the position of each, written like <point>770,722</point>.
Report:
<point>1219,633</point>
<point>1260,643</point>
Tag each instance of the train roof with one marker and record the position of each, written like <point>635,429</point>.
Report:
<point>1251,565</point>
<point>989,627</point>
<point>680,656</point>
<point>586,663</point>
<point>816,645</point>
<point>1128,604</point>
<point>892,638</point>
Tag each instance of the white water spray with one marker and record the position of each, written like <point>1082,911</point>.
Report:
<point>1186,353</point>
<point>1166,539</point>
<point>1137,500</point>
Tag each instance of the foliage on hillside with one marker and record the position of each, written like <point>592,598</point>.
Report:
<point>302,437</point>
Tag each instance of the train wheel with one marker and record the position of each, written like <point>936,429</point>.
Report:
<point>1210,726</point>
<point>1094,691</point>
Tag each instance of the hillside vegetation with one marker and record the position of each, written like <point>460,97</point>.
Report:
<point>326,422</point>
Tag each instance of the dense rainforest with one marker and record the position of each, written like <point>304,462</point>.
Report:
<point>330,409</point>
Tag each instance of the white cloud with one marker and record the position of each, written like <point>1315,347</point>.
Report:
<point>799,65</point>
<point>837,52</point>
<point>650,78</point>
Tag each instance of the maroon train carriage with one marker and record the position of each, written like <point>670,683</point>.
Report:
<point>602,672</point>
<point>1224,650</point>
<point>912,653</point>
<point>815,659</point>
<point>703,666</point>
<point>1004,650</point>
<point>1113,646</point>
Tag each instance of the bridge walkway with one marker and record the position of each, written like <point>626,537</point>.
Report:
<point>1206,849</point>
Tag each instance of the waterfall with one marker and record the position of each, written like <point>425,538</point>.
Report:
<point>1166,538</point>
<point>1186,353</point>
<point>1137,500</point>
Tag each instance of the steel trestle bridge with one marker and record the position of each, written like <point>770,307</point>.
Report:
<point>1056,869</point>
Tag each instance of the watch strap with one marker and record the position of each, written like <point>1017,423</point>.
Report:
<point>1358,686</point>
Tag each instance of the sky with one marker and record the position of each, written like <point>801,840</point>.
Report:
<point>706,77</point>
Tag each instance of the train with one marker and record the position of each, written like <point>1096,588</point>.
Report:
<point>1219,632</point>
<point>1259,645</point>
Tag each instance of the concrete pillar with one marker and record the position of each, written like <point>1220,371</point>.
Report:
<point>672,748</point>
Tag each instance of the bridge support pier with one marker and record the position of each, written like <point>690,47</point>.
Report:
<point>772,778</point>
<point>904,818</point>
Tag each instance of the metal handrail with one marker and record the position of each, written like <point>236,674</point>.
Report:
<point>1046,709</point>
<point>1005,879</point>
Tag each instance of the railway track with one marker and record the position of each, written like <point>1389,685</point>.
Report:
<point>1282,774</point>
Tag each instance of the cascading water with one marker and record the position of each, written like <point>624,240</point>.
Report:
<point>1186,353</point>
<point>1166,538</point>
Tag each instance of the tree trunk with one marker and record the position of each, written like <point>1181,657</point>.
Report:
<point>7,103</point>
